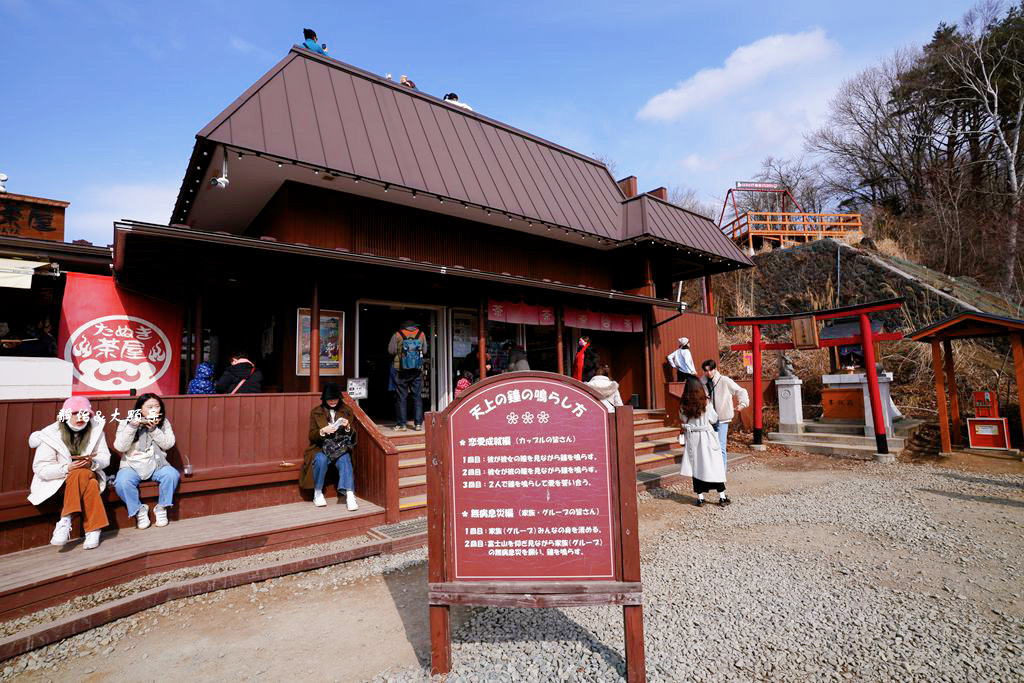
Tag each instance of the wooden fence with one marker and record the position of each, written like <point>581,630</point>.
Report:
<point>245,451</point>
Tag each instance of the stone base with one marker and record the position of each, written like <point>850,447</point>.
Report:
<point>758,447</point>
<point>791,428</point>
<point>885,458</point>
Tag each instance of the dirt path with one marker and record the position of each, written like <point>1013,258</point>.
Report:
<point>348,623</point>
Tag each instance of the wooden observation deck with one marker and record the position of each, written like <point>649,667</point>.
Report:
<point>781,227</point>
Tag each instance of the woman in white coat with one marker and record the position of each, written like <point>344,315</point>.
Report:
<point>72,453</point>
<point>702,455</point>
<point>143,442</point>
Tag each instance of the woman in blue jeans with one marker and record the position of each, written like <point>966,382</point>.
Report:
<point>332,438</point>
<point>143,441</point>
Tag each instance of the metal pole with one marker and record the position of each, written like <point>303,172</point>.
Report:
<point>758,390</point>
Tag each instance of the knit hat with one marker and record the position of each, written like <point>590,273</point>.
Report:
<point>331,391</point>
<point>76,404</point>
<point>684,341</point>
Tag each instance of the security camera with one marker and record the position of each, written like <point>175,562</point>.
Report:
<point>221,182</point>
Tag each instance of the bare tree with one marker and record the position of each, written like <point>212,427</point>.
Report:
<point>608,162</point>
<point>686,197</point>
<point>991,71</point>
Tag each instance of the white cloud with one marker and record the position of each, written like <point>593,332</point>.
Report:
<point>746,66</point>
<point>94,209</point>
<point>249,49</point>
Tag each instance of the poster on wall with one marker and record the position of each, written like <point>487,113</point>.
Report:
<point>117,341</point>
<point>332,331</point>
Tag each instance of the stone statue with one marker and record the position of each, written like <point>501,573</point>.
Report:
<point>785,365</point>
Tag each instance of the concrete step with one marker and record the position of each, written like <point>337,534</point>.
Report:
<point>822,448</point>
<point>852,428</point>
<point>895,442</point>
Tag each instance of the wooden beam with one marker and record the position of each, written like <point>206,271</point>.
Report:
<point>481,346</point>
<point>1017,342</point>
<point>314,341</point>
<point>954,399</point>
<point>940,397</point>
<point>559,343</point>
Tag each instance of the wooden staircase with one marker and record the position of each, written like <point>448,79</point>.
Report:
<point>655,446</point>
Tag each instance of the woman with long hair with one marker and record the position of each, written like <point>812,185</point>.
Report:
<point>143,441</point>
<point>702,455</point>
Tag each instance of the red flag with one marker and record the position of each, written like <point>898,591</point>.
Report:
<point>118,341</point>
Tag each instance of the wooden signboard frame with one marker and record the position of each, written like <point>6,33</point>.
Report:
<point>625,588</point>
<point>805,332</point>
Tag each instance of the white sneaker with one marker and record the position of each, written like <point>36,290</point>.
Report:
<point>92,539</point>
<point>319,500</point>
<point>61,532</point>
<point>160,513</point>
<point>142,517</point>
<point>350,501</point>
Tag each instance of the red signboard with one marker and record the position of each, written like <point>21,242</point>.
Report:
<point>531,484</point>
<point>118,341</point>
<point>531,488</point>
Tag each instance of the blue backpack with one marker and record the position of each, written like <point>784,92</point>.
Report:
<point>411,353</point>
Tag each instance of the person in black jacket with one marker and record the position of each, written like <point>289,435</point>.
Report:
<point>241,377</point>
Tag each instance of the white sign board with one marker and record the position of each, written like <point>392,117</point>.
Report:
<point>357,387</point>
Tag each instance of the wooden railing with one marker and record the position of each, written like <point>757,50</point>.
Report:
<point>788,227</point>
<point>246,452</point>
<point>377,458</point>
<point>673,397</point>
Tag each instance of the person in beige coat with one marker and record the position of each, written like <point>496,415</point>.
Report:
<point>72,453</point>
<point>722,390</point>
<point>143,441</point>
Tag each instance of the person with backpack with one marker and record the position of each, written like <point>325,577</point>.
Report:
<point>408,346</point>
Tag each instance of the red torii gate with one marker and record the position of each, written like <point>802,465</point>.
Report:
<point>866,339</point>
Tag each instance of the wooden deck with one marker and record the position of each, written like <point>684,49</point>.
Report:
<point>781,227</point>
<point>38,577</point>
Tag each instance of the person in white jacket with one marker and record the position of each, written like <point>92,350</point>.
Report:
<point>722,390</point>
<point>682,360</point>
<point>143,441</point>
<point>72,453</point>
<point>702,458</point>
<point>608,388</point>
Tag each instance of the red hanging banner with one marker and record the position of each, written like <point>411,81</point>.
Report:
<point>118,341</point>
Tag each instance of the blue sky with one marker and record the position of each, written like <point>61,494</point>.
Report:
<point>101,100</point>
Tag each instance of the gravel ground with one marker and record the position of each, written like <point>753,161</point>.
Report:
<point>862,583</point>
<point>121,634</point>
<point>855,571</point>
<point>144,583</point>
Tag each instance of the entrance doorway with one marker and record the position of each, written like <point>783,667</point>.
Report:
<point>376,321</point>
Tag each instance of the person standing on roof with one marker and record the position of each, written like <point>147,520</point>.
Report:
<point>310,42</point>
<point>408,346</point>
<point>404,80</point>
<point>452,98</point>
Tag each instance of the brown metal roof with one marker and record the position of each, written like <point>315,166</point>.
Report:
<point>325,113</point>
<point>317,111</point>
<point>675,224</point>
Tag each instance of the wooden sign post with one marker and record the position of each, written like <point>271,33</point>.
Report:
<point>531,486</point>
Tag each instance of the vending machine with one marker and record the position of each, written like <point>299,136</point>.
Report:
<point>986,429</point>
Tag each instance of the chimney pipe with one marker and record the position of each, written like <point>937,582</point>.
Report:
<point>660,193</point>
<point>628,186</point>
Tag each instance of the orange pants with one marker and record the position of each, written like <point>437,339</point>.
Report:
<point>82,494</point>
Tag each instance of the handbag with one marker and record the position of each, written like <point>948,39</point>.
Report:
<point>252,369</point>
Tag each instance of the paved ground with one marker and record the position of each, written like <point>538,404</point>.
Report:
<point>822,569</point>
